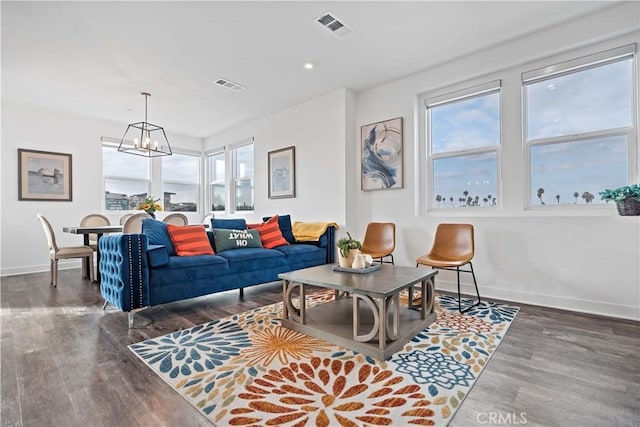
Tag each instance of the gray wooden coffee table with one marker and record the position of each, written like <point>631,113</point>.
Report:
<point>366,314</point>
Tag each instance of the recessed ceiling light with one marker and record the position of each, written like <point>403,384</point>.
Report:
<point>309,65</point>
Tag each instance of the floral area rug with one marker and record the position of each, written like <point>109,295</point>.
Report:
<point>248,370</point>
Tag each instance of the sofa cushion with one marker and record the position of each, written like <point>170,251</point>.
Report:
<point>242,260</point>
<point>236,239</point>
<point>284,222</point>
<point>189,240</point>
<point>158,255</point>
<point>156,232</point>
<point>302,252</point>
<point>229,224</point>
<point>181,270</point>
<point>270,234</point>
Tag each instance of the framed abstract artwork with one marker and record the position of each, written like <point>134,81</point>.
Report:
<point>282,173</point>
<point>381,155</point>
<point>43,175</point>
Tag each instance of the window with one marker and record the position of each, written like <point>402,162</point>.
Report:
<point>217,182</point>
<point>579,127</point>
<point>243,177</point>
<point>126,179</point>
<point>181,182</point>
<point>463,132</point>
<point>236,187</point>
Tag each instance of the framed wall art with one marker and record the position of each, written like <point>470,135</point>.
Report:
<point>44,175</point>
<point>282,173</point>
<point>381,155</point>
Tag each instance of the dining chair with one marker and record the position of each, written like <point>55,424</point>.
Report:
<point>133,224</point>
<point>380,241</point>
<point>56,253</point>
<point>207,219</point>
<point>453,247</point>
<point>176,219</point>
<point>125,217</point>
<point>94,220</point>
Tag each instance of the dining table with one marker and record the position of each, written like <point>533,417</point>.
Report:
<point>98,230</point>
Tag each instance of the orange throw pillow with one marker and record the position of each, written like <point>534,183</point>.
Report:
<point>190,240</point>
<point>270,233</point>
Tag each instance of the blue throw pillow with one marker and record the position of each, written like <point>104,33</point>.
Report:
<point>284,223</point>
<point>156,232</point>
<point>229,224</point>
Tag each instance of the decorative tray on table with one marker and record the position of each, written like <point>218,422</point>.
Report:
<point>356,270</point>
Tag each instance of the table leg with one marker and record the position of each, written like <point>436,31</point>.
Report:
<point>285,308</point>
<point>382,332</point>
<point>97,257</point>
<point>87,261</point>
<point>290,311</point>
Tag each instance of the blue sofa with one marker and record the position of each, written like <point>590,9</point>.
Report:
<point>142,270</point>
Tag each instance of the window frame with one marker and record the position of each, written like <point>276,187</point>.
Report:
<point>114,143</point>
<point>429,102</point>
<point>569,67</point>
<point>184,152</point>
<point>210,182</point>
<point>230,176</point>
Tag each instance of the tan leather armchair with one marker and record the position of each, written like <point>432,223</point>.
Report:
<point>56,253</point>
<point>453,247</point>
<point>380,241</point>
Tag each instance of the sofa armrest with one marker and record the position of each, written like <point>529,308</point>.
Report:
<point>124,270</point>
<point>158,255</point>
<point>326,241</point>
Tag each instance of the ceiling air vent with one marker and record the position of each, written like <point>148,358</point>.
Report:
<point>229,84</point>
<point>333,24</point>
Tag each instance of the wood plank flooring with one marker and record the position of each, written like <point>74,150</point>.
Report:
<point>65,362</point>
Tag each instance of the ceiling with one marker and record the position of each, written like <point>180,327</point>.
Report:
<point>94,58</point>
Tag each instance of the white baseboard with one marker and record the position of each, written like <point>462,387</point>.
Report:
<point>552,301</point>
<point>62,265</point>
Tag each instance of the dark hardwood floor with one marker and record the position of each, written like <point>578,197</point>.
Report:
<point>65,362</point>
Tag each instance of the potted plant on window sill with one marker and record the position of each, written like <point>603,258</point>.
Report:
<point>627,199</point>
<point>348,248</point>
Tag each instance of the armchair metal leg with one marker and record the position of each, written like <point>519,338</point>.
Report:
<point>457,270</point>
<point>477,291</point>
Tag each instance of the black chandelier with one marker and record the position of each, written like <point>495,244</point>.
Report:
<point>145,139</point>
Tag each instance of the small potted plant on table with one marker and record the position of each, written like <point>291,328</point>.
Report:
<point>348,248</point>
<point>627,199</point>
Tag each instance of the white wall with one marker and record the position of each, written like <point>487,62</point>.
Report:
<point>23,242</point>
<point>318,130</point>
<point>585,262</point>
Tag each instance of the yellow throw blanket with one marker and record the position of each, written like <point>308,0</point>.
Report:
<point>310,231</point>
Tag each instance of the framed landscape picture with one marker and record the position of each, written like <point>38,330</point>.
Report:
<point>44,175</point>
<point>282,173</point>
<point>381,151</point>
